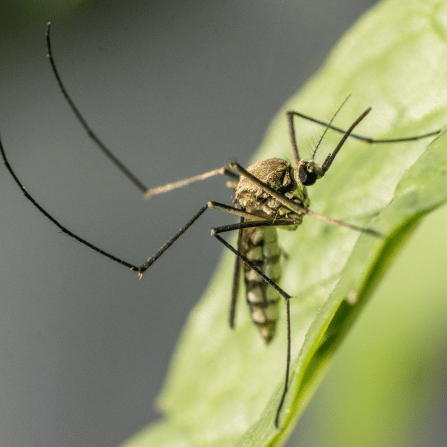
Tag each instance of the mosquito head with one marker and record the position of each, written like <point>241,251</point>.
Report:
<point>308,173</point>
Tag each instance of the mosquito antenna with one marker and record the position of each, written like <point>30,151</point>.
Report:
<point>329,126</point>
<point>119,164</point>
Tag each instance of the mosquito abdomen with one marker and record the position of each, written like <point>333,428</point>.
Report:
<point>260,246</point>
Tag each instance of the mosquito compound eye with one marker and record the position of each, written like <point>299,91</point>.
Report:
<point>307,178</point>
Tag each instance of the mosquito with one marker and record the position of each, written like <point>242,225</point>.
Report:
<point>268,194</point>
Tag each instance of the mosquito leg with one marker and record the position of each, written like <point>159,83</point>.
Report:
<point>286,297</point>
<point>292,134</point>
<point>330,158</point>
<point>343,224</point>
<point>361,138</point>
<point>234,292</point>
<point>288,361</point>
<point>107,152</point>
<point>232,210</point>
<point>252,224</point>
<point>237,226</point>
<point>284,294</point>
<point>149,193</point>
<point>154,258</point>
<point>215,205</point>
<point>236,281</point>
<point>60,226</point>
<point>65,230</point>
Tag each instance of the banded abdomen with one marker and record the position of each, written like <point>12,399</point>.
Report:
<point>259,245</point>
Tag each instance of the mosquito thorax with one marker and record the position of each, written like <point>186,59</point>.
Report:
<point>278,174</point>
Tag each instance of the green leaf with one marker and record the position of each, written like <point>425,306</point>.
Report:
<point>224,386</point>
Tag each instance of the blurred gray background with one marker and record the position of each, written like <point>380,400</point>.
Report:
<point>175,88</point>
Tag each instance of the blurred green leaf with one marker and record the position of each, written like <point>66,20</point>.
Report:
<point>224,386</point>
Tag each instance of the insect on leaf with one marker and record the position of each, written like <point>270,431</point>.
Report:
<point>225,385</point>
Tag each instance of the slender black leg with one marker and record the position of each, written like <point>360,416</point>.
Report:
<point>286,297</point>
<point>234,292</point>
<point>60,226</point>
<point>238,226</point>
<point>209,205</point>
<point>140,270</point>
<point>110,155</point>
<point>107,152</point>
<point>365,139</point>
<point>236,281</point>
<point>154,258</point>
<point>288,361</point>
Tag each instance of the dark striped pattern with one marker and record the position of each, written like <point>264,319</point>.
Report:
<point>260,246</point>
